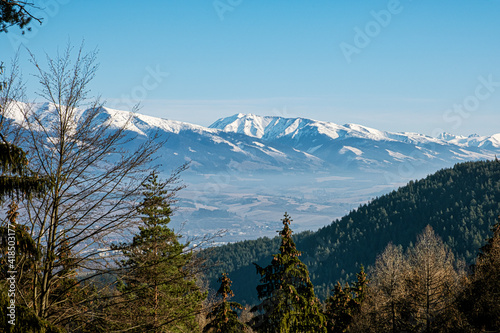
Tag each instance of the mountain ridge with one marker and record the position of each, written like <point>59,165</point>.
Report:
<point>278,143</point>
<point>255,125</point>
<point>297,165</point>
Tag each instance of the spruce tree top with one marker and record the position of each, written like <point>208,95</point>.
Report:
<point>287,244</point>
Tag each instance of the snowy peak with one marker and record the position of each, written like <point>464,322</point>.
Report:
<point>250,124</point>
<point>145,125</point>
<point>248,142</point>
<point>473,140</point>
<point>272,128</point>
<point>266,127</point>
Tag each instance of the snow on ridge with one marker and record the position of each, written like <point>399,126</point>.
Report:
<point>262,127</point>
<point>366,132</point>
<point>398,156</point>
<point>142,124</point>
<point>356,151</point>
<point>275,127</point>
<point>268,128</point>
<point>495,140</point>
<point>249,124</point>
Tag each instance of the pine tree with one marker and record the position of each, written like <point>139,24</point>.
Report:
<point>17,182</point>
<point>359,288</point>
<point>223,318</point>
<point>16,13</point>
<point>158,288</point>
<point>287,294</point>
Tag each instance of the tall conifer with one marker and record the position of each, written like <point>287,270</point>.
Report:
<point>17,182</point>
<point>16,179</point>
<point>287,294</point>
<point>159,287</point>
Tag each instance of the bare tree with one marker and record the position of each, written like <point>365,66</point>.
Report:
<point>93,183</point>
<point>387,288</point>
<point>414,291</point>
<point>433,282</point>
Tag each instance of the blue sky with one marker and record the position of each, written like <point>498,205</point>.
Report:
<point>418,66</point>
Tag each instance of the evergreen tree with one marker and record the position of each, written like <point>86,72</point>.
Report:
<point>339,309</point>
<point>223,318</point>
<point>360,288</point>
<point>21,263</point>
<point>158,289</point>
<point>17,181</point>
<point>287,294</point>
<point>444,200</point>
<point>345,303</point>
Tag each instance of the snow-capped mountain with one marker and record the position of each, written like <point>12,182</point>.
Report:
<point>356,147</point>
<point>251,143</point>
<point>246,170</point>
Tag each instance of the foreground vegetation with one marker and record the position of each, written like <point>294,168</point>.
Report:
<point>74,186</point>
<point>461,204</point>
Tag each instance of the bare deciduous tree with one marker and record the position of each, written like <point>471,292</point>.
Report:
<point>414,291</point>
<point>433,281</point>
<point>388,288</point>
<point>93,183</point>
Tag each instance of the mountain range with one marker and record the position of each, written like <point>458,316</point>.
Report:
<point>251,143</point>
<point>245,170</point>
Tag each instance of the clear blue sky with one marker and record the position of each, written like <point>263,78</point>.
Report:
<point>420,66</point>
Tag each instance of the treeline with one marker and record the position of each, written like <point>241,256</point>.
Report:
<point>459,203</point>
<point>421,289</point>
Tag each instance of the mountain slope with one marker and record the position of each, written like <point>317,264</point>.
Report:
<point>349,146</point>
<point>247,169</point>
<point>460,203</point>
<point>251,143</point>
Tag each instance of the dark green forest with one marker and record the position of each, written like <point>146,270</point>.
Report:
<point>461,204</point>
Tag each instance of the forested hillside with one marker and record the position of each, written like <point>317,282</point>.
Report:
<point>461,204</point>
